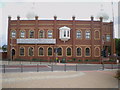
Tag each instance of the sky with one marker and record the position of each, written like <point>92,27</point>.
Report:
<point>63,9</point>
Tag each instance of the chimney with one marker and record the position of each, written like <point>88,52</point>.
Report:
<point>55,17</point>
<point>36,17</point>
<point>18,17</point>
<point>73,17</point>
<point>9,18</point>
<point>101,19</point>
<point>92,18</point>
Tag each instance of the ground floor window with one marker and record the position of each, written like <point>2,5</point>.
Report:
<point>31,51</point>
<point>21,51</point>
<point>41,51</point>
<point>87,51</point>
<point>49,51</point>
<point>78,51</point>
<point>68,51</point>
<point>59,51</point>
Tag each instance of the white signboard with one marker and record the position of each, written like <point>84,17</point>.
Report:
<point>36,41</point>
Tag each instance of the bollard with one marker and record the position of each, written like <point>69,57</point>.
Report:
<point>76,67</point>
<point>37,68</point>
<point>21,68</point>
<point>4,67</point>
<point>65,67</point>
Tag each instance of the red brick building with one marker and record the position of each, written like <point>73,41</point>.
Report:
<point>51,39</point>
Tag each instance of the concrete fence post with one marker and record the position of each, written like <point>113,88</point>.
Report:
<point>76,67</point>
<point>4,68</point>
<point>37,68</point>
<point>64,67</point>
<point>21,68</point>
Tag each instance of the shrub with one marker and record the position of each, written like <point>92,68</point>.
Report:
<point>94,60</point>
<point>86,60</point>
<point>70,60</point>
<point>41,60</point>
<point>18,59</point>
<point>74,59</point>
<point>79,60</point>
<point>118,75</point>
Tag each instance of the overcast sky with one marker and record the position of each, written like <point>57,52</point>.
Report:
<point>82,9</point>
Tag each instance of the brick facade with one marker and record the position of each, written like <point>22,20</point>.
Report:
<point>97,42</point>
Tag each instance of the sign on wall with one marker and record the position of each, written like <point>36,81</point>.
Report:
<point>36,41</point>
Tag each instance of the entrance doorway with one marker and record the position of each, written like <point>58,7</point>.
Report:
<point>13,53</point>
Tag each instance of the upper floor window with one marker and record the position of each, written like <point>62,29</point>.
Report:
<point>107,37</point>
<point>50,34</point>
<point>21,51</point>
<point>41,34</point>
<point>13,34</point>
<point>87,35</point>
<point>64,33</point>
<point>22,34</point>
<point>97,34</point>
<point>78,34</point>
<point>31,34</point>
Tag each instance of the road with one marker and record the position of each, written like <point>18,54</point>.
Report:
<point>55,67</point>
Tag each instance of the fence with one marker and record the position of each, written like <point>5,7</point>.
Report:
<point>54,67</point>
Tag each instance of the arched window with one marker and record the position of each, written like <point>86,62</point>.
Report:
<point>13,34</point>
<point>49,51</point>
<point>68,51</point>
<point>78,34</point>
<point>31,51</point>
<point>22,34</point>
<point>97,51</point>
<point>87,50</point>
<point>22,51</point>
<point>97,34</point>
<point>41,51</point>
<point>87,35</point>
<point>78,51</point>
<point>41,34</point>
<point>50,35</point>
<point>107,37</point>
<point>59,50</point>
<point>31,34</point>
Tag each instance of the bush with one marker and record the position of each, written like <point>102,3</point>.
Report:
<point>40,60</point>
<point>63,60</point>
<point>70,60</point>
<point>79,60</point>
<point>94,60</point>
<point>86,60</point>
<point>74,59</point>
<point>18,59</point>
<point>118,75</point>
<point>111,60</point>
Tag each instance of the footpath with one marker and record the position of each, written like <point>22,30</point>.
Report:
<point>61,79</point>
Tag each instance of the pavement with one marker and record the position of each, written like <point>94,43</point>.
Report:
<point>61,79</point>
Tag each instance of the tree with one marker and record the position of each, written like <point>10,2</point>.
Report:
<point>117,42</point>
<point>4,48</point>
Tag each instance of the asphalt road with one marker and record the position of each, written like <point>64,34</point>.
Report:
<point>53,67</point>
